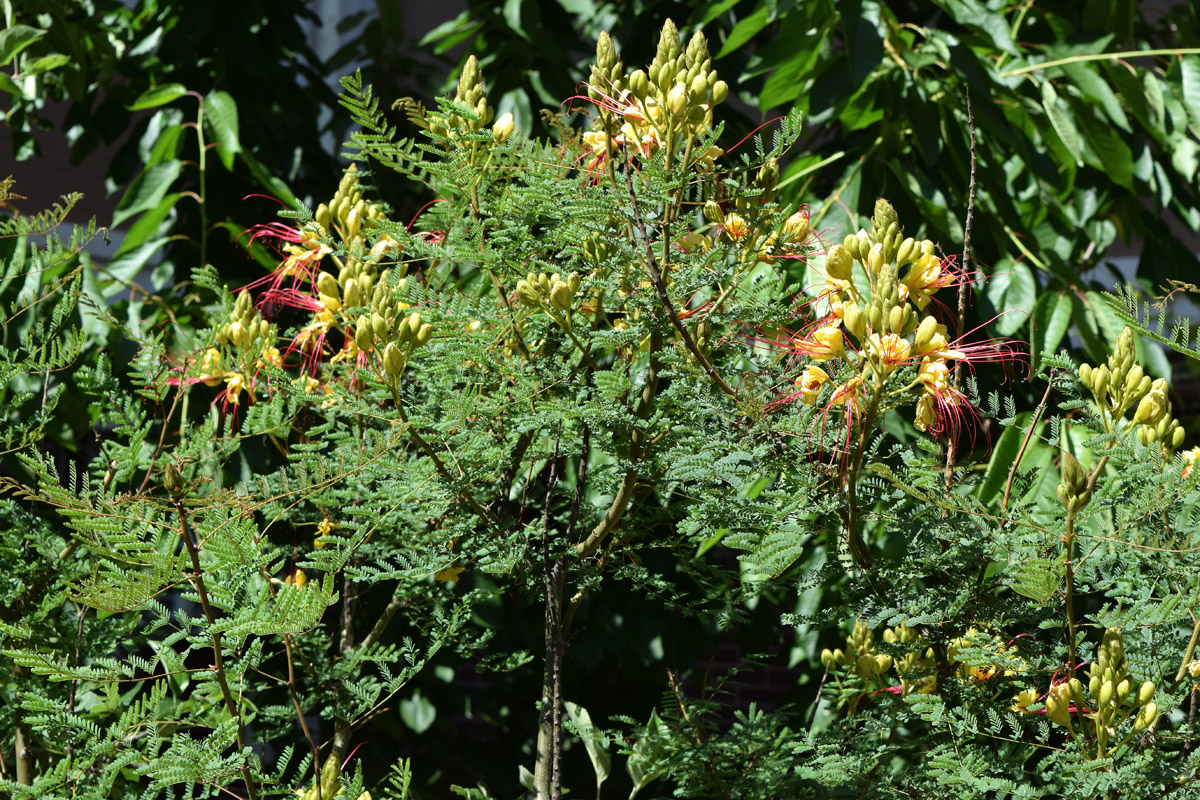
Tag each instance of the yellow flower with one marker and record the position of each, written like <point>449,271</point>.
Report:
<point>826,343</point>
<point>926,412</point>
<point>210,367</point>
<point>1189,459</point>
<point>234,383</point>
<point>735,225</point>
<point>934,374</point>
<point>810,382</point>
<point>448,575</point>
<point>847,393</point>
<point>890,349</point>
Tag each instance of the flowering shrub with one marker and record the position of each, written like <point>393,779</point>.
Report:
<point>601,378</point>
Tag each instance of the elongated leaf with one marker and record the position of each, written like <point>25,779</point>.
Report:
<point>147,190</point>
<point>220,112</point>
<point>1051,317</point>
<point>1064,126</point>
<point>1003,455</point>
<point>1096,90</point>
<point>1012,289</point>
<point>15,39</point>
<point>1190,83</point>
<point>744,31</point>
<point>594,742</point>
<point>1112,156</point>
<point>159,96</point>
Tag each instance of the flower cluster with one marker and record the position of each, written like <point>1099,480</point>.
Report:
<point>668,105</point>
<point>877,294</point>
<point>862,668</point>
<point>1112,698</point>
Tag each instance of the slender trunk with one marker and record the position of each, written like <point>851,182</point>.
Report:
<point>24,738</point>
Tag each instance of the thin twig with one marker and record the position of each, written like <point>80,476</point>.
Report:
<point>1037,415</point>
<point>664,298</point>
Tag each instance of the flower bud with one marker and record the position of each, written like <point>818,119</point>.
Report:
<point>1123,689</point>
<point>424,335</point>
<point>838,263</point>
<point>503,128</point>
<point>574,281</point>
<point>796,227</point>
<point>639,84</point>
<point>393,360</point>
<point>379,325</point>
<point>1058,707</point>
<point>875,258</point>
<point>906,252</point>
<point>1075,690</point>
<point>713,212</point>
<point>173,481</point>
<point>327,284</point>
<point>866,667</point>
<point>720,91</point>
<point>352,295</point>
<point>827,658</point>
<point>1145,693</point>
<point>677,99</point>
<point>527,295</point>
<point>1085,375</point>
<point>855,320</point>
<point>404,331</point>
<point>560,296</point>
<point>363,335</point>
<point>1146,717</point>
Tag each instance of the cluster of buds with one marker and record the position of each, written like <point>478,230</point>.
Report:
<point>347,211</point>
<point>1073,492</point>
<point>388,333</point>
<point>330,785</point>
<point>551,293</point>
<point>668,103</point>
<point>246,327</point>
<point>882,326</point>
<point>912,660</point>
<point>469,93</point>
<point>1114,696</point>
<point>1121,385</point>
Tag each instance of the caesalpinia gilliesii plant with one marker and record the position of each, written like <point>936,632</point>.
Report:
<point>878,324</point>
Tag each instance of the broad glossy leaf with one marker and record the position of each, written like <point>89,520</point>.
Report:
<point>159,96</point>
<point>1051,318</point>
<point>745,30</point>
<point>147,190</point>
<point>1112,156</point>
<point>220,112</point>
<point>16,38</point>
<point>1012,289</point>
<point>1189,67</point>
<point>1096,90</point>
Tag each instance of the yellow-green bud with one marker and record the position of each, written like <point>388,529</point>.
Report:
<point>866,667</point>
<point>875,258</point>
<point>1146,717</point>
<point>363,335</point>
<point>1145,693</point>
<point>1085,375</point>
<point>424,334</point>
<point>796,227</point>
<point>352,295</point>
<point>639,84</point>
<point>855,320</point>
<point>838,263</point>
<point>574,281</point>
<point>404,331</point>
<point>720,91</point>
<point>379,325</point>
<point>527,295</point>
<point>827,658</point>
<point>173,481</point>
<point>1058,707</point>
<point>503,128</point>
<point>713,212</point>
<point>327,284</point>
<point>560,296</point>
<point>907,251</point>
<point>677,99</point>
<point>393,359</point>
